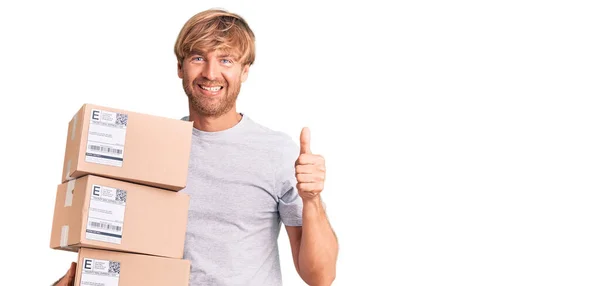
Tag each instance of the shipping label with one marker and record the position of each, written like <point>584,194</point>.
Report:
<point>106,214</point>
<point>97,272</point>
<point>106,138</point>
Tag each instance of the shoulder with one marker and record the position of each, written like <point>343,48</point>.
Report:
<point>279,139</point>
<point>280,144</point>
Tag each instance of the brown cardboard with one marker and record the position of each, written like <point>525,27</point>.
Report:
<point>155,150</point>
<point>154,220</point>
<point>129,269</point>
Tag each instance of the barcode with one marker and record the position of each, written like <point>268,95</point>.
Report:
<point>121,196</point>
<point>121,119</point>
<point>114,267</point>
<point>106,149</point>
<point>108,226</point>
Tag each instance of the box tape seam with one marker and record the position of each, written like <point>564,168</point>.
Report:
<point>67,177</point>
<point>74,127</point>
<point>64,235</point>
<point>69,194</point>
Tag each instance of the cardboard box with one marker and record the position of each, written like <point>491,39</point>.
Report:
<point>104,213</point>
<point>129,146</point>
<point>109,268</point>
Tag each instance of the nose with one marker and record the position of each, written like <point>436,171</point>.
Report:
<point>209,70</point>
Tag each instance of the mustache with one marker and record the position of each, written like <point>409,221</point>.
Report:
<point>210,82</point>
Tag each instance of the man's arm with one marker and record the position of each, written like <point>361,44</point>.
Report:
<point>314,245</point>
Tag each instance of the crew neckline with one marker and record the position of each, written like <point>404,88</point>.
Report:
<point>227,131</point>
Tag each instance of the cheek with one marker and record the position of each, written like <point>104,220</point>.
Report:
<point>231,78</point>
<point>190,74</point>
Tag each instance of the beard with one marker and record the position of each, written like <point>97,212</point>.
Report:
<point>211,106</point>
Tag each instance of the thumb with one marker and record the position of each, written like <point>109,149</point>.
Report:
<point>69,278</point>
<point>305,141</point>
<point>71,273</point>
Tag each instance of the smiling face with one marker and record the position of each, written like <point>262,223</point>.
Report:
<point>214,51</point>
<point>212,81</point>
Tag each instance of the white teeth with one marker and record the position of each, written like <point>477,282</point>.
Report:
<point>214,88</point>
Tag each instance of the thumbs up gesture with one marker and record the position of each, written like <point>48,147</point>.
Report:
<point>310,169</point>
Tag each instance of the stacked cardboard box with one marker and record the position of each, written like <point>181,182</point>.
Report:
<point>118,202</point>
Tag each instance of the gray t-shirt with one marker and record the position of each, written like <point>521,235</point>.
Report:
<point>242,186</point>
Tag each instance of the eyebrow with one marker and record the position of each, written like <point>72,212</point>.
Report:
<point>227,55</point>
<point>196,52</point>
<point>219,55</point>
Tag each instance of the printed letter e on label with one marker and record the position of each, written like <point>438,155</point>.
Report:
<point>96,191</point>
<point>95,114</point>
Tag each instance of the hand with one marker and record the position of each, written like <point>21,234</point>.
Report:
<point>69,278</point>
<point>310,169</point>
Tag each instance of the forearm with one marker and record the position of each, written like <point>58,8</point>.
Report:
<point>318,247</point>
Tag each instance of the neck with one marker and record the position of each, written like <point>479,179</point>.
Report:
<point>215,123</point>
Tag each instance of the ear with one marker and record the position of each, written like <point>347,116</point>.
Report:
<point>179,71</point>
<point>245,71</point>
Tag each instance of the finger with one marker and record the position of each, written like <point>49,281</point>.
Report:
<point>305,178</point>
<point>310,159</point>
<point>310,178</point>
<point>69,278</point>
<point>72,269</point>
<point>305,169</point>
<point>305,141</point>
<point>309,187</point>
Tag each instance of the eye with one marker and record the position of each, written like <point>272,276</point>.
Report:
<point>226,61</point>
<point>197,59</point>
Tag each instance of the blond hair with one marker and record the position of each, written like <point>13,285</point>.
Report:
<point>216,29</point>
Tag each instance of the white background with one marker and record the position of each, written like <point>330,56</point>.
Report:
<point>461,137</point>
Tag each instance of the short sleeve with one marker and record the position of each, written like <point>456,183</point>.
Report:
<point>289,202</point>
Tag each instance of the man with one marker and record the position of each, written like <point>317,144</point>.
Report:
<point>244,179</point>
